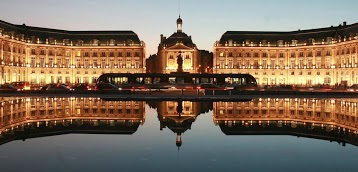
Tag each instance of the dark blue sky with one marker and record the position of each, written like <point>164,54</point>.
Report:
<point>205,20</point>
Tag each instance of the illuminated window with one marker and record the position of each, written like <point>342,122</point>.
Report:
<point>301,54</point>
<point>103,65</point>
<point>86,63</point>
<point>264,54</point>
<point>281,55</point>
<point>111,63</point>
<point>78,62</point>
<point>50,62</point>
<point>221,54</point>
<point>136,54</point>
<point>42,62</point>
<point>264,63</point>
<point>247,63</point>
<point>230,64</point>
<point>33,61</point>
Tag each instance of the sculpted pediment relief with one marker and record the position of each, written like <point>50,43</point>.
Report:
<point>179,46</point>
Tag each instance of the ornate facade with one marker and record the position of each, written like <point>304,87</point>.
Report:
<point>41,55</point>
<point>303,57</point>
<point>334,120</point>
<point>179,44</point>
<point>33,117</point>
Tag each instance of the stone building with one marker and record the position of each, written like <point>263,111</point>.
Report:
<point>179,43</point>
<point>42,55</point>
<point>303,57</point>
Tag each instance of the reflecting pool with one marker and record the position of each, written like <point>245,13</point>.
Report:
<point>93,134</point>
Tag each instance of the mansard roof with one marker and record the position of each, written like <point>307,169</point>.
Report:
<point>42,34</point>
<point>179,37</point>
<point>301,36</point>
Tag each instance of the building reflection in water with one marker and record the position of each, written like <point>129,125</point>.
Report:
<point>179,115</point>
<point>334,120</point>
<point>327,119</point>
<point>22,118</point>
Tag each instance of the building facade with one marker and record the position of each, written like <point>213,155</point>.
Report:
<point>317,118</point>
<point>179,44</point>
<point>304,57</point>
<point>42,56</point>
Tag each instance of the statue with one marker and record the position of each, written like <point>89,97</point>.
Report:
<point>180,63</point>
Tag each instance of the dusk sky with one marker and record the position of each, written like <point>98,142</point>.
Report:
<point>204,20</point>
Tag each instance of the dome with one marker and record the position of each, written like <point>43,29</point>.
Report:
<point>179,20</point>
<point>178,144</point>
<point>179,37</point>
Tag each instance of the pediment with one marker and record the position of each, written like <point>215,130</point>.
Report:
<point>179,46</point>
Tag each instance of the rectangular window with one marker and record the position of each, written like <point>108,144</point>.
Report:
<point>230,64</point>
<point>292,54</point>
<point>239,54</point>
<point>128,63</point>
<point>67,62</point>
<point>137,64</point>
<point>310,64</point>
<point>264,63</point>
<point>86,63</point>
<point>301,54</point>
<point>281,63</point>
<point>33,61</point>
<point>103,65</point>
<point>230,54</point>
<point>301,63</point>
<point>42,62</point>
<point>318,53</point>
<point>264,54</point>
<point>222,64</point>
<point>78,62</point>
<point>281,55</point>
<point>111,63</point>
<point>293,64</point>
<point>247,63</point>
<point>256,64</point>
<point>50,62</point>
<point>59,62</point>
<point>272,64</point>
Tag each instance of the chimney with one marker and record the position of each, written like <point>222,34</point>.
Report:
<point>161,38</point>
<point>344,23</point>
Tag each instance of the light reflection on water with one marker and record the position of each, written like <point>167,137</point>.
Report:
<point>57,134</point>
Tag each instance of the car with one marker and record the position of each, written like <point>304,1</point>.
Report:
<point>56,88</point>
<point>81,87</point>
<point>23,85</point>
<point>8,88</point>
<point>282,88</point>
